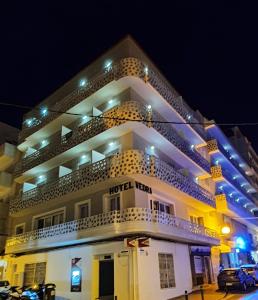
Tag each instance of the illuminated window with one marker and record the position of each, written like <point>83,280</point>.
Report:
<point>166,271</point>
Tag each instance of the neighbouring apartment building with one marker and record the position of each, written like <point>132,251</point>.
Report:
<point>115,202</point>
<point>8,156</point>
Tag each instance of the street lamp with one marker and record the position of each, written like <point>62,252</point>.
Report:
<point>225,230</point>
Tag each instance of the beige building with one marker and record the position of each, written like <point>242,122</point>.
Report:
<point>115,198</point>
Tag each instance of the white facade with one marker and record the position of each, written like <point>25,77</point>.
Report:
<point>143,282</point>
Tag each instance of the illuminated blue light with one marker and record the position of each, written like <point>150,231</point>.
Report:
<point>149,107</point>
<point>152,147</point>
<point>189,117</point>
<point>237,199</point>
<point>230,195</point>
<point>108,65</point>
<point>221,187</point>
<point>83,156</point>
<point>44,111</point>
<point>241,165</point>
<point>235,177</point>
<point>82,82</point>
<point>28,122</point>
<point>43,143</point>
<point>192,147</point>
<point>216,162</point>
<point>111,144</point>
<point>110,101</point>
<point>237,250</point>
<point>240,243</point>
<point>85,118</point>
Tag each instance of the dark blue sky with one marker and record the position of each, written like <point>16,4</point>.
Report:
<point>207,49</point>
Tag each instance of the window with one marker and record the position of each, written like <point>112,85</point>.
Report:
<point>162,207</point>
<point>197,220</point>
<point>34,273</point>
<point>166,271</point>
<point>115,202</point>
<point>82,209</point>
<point>20,228</point>
<point>49,220</point>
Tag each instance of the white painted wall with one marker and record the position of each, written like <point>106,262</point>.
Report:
<point>148,271</point>
<point>148,287</point>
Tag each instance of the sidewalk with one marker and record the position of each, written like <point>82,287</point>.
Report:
<point>210,293</point>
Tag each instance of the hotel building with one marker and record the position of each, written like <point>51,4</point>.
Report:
<point>115,197</point>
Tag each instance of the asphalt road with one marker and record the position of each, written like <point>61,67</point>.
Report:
<point>234,295</point>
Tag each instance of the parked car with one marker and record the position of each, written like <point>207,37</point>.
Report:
<point>251,269</point>
<point>235,278</point>
<point>4,286</point>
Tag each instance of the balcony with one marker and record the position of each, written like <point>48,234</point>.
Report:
<point>230,207</point>
<point>123,68</point>
<point>215,146</point>
<point>112,225</point>
<point>131,162</point>
<point>129,110</point>
<point>220,174</point>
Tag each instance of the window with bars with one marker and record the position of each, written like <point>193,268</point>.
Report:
<point>166,271</point>
<point>34,273</point>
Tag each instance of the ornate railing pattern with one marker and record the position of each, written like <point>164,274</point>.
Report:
<point>134,214</point>
<point>129,110</point>
<point>214,145</point>
<point>125,67</point>
<point>219,172</point>
<point>127,163</point>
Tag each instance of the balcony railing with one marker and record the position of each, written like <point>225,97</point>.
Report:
<point>127,163</point>
<point>214,145</point>
<point>219,171</point>
<point>125,67</point>
<point>174,226</point>
<point>129,110</point>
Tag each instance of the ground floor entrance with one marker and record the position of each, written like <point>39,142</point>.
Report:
<point>106,279</point>
<point>201,266</point>
<point>112,270</point>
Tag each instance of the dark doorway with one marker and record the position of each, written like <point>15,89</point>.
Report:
<point>106,280</point>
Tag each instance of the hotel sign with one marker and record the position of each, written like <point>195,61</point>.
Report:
<point>129,185</point>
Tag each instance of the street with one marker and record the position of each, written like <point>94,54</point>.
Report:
<point>213,294</point>
<point>234,295</point>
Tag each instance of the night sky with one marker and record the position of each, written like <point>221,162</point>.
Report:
<point>208,50</point>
